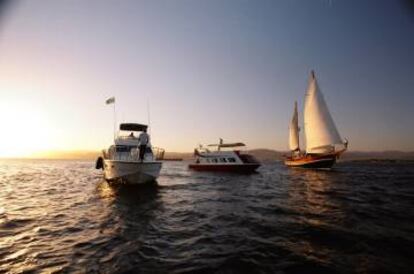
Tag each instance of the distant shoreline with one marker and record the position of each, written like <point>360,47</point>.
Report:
<point>261,154</point>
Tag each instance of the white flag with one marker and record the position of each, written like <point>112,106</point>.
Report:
<point>110,100</point>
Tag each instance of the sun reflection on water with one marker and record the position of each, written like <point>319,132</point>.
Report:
<point>311,196</point>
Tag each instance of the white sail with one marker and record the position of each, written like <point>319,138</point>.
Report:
<point>320,130</point>
<point>294,131</point>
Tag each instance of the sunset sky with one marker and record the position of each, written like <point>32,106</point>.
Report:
<point>209,69</point>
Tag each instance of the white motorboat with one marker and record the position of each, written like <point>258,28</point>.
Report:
<point>224,160</point>
<point>122,163</point>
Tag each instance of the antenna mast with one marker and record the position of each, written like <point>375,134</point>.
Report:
<point>114,122</point>
<point>148,117</point>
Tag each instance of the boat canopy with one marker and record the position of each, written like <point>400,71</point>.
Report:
<point>132,127</point>
<point>228,145</point>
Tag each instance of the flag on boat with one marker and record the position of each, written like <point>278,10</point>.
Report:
<point>110,100</point>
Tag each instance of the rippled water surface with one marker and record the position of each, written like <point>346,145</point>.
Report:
<point>60,216</point>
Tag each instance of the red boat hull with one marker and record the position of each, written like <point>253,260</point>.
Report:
<point>233,168</point>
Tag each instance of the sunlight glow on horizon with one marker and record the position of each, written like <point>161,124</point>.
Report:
<point>26,130</point>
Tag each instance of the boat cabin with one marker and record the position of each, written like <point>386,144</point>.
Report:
<point>220,156</point>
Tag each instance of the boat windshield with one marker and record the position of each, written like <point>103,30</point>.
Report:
<point>120,148</point>
<point>248,159</point>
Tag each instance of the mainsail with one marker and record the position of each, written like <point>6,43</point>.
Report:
<point>294,131</point>
<point>320,130</point>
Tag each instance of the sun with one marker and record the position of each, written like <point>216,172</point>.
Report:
<point>24,130</point>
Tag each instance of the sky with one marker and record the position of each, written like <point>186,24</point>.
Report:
<point>204,70</point>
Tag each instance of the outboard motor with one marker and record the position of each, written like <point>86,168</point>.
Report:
<point>99,163</point>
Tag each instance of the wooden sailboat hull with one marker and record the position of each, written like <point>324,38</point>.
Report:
<point>312,161</point>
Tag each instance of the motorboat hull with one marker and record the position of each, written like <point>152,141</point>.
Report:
<point>233,168</point>
<point>131,172</point>
<point>312,161</point>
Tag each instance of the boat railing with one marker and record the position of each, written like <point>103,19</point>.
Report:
<point>105,154</point>
<point>158,153</point>
<point>132,155</point>
<point>127,137</point>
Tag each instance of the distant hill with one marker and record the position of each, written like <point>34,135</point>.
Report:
<point>261,154</point>
<point>178,155</point>
<point>266,155</point>
<point>378,155</point>
<point>272,155</point>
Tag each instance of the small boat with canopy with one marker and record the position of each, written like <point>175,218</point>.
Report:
<point>226,157</point>
<point>324,144</point>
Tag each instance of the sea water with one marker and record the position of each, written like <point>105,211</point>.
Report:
<point>60,216</point>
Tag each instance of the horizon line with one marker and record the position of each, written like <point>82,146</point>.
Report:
<point>65,154</point>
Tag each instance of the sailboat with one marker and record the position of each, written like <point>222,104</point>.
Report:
<point>324,144</point>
